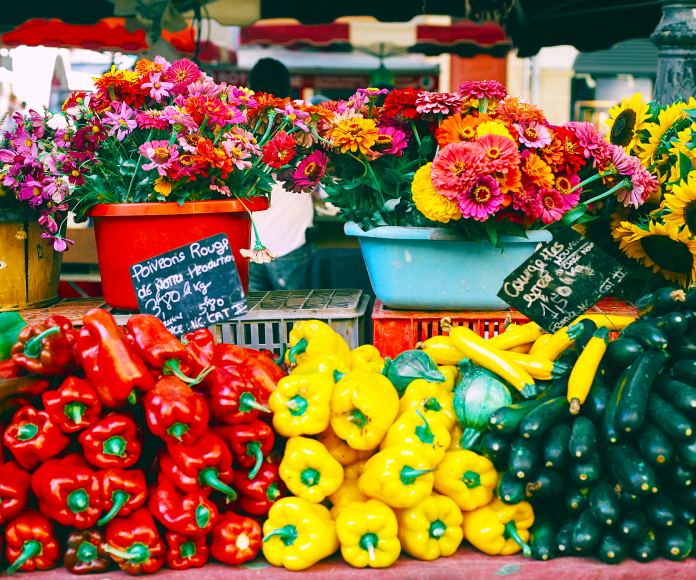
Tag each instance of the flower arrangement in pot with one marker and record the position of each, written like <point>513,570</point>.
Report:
<point>488,167</point>
<point>158,157</point>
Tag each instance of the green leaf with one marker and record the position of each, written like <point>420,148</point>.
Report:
<point>391,204</point>
<point>685,165</point>
<point>492,233</point>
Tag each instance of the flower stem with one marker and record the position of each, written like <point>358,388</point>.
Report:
<point>589,180</point>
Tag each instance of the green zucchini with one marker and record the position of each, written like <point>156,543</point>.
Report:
<point>544,483</point>
<point>609,420</point>
<point>587,472</point>
<point>495,447</point>
<point>556,388</point>
<point>661,301</point>
<point>677,393</point>
<point>622,352</point>
<point>523,457</point>
<point>676,543</point>
<point>661,511</point>
<point>674,424</point>
<point>629,500</point>
<point>632,524</point>
<point>686,451</point>
<point>683,347</point>
<point>645,548</point>
<point>685,370</point>
<point>564,539</point>
<point>507,419</point>
<point>545,416</point>
<point>612,549</point>
<point>555,448</point>
<point>631,471</point>
<point>511,490</point>
<point>685,497</point>
<point>597,399</point>
<point>543,540</point>
<point>587,532</point>
<point>634,388</point>
<point>583,438</point>
<point>604,504</point>
<point>685,516</point>
<point>576,499</point>
<point>679,475</point>
<point>588,329</point>
<point>646,333</point>
<point>655,447</point>
<point>673,324</point>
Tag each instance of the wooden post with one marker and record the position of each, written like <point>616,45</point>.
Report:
<point>675,38</point>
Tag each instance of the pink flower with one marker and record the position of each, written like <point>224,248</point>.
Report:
<point>216,184</point>
<point>552,205</point>
<point>371,92</point>
<point>614,161</point>
<point>32,191</point>
<point>589,138</point>
<point>60,244</point>
<point>151,119</point>
<point>438,103</point>
<point>499,154</point>
<point>241,97</point>
<point>122,122</point>
<point>181,74</point>
<point>158,89</point>
<point>161,155</point>
<point>534,135</point>
<point>204,88</point>
<point>176,116</point>
<point>643,184</point>
<point>238,154</point>
<point>310,170</point>
<point>390,141</point>
<point>455,168</point>
<point>296,117</point>
<point>564,184</point>
<point>481,200</point>
<point>527,201</point>
<point>491,90</point>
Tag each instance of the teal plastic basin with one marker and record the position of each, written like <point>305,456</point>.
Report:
<point>430,269</point>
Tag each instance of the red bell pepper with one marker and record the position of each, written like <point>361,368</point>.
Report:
<point>251,364</point>
<point>236,539</point>
<point>200,346</point>
<point>256,496</point>
<point>175,413</point>
<point>84,553</point>
<point>32,437</point>
<point>123,491</point>
<point>30,543</point>
<point>233,399</point>
<point>73,406</point>
<point>9,369</point>
<point>44,350</point>
<point>249,442</point>
<point>207,463</point>
<point>135,544</point>
<point>68,491</point>
<point>110,363</point>
<point>111,442</point>
<point>191,514</point>
<point>14,491</point>
<point>184,552</point>
<point>65,325</point>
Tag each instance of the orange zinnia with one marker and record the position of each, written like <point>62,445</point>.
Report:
<point>355,134</point>
<point>456,128</point>
<point>538,171</point>
<point>553,153</point>
<point>513,110</point>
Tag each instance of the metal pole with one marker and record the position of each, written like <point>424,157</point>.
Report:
<point>675,38</point>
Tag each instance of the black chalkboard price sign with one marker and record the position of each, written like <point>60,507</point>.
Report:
<point>562,280</point>
<point>192,286</point>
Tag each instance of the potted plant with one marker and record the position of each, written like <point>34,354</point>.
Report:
<point>448,192</point>
<point>158,157</point>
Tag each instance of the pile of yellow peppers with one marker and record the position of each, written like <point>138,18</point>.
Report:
<point>373,474</point>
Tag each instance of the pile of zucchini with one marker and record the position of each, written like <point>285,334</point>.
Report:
<point>617,479</point>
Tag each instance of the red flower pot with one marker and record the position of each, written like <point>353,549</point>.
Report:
<point>128,233</point>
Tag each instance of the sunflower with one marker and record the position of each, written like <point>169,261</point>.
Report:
<point>661,247</point>
<point>681,204</point>
<point>626,120</point>
<point>649,152</point>
<point>428,201</point>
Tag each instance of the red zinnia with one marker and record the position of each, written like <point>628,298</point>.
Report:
<point>401,104</point>
<point>279,150</point>
<point>573,152</point>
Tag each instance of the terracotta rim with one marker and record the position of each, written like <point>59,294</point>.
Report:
<point>173,208</point>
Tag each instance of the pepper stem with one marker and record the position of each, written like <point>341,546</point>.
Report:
<point>471,479</point>
<point>424,432</point>
<point>32,348</point>
<point>338,375</point>
<point>27,431</point>
<point>177,430</point>
<point>187,550</point>
<point>368,542</point>
<point>247,402</point>
<point>118,499</point>
<point>75,411</point>
<point>173,367</point>
<point>30,549</point>
<point>272,493</point>
<point>432,404</point>
<point>512,534</point>
<point>253,449</point>
<point>78,501</point>
<point>297,405</point>
<point>437,529</point>
<point>209,477</point>
<point>87,552</point>
<point>281,357</point>
<point>135,553</point>
<point>358,417</point>
<point>115,445</point>
<point>310,476</point>
<point>202,516</point>
<point>408,475</point>
<point>287,534</point>
<point>299,348</point>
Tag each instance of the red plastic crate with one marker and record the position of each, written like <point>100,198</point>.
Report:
<point>394,331</point>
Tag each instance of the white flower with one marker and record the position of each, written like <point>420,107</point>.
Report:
<point>58,121</point>
<point>259,255</point>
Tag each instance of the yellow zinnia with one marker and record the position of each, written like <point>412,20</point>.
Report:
<point>493,128</point>
<point>681,204</point>
<point>626,119</point>
<point>428,201</point>
<point>356,134</point>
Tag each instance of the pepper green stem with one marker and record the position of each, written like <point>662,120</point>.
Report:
<point>432,404</point>
<point>32,348</point>
<point>287,534</point>
<point>247,402</point>
<point>187,550</point>
<point>471,479</point>
<point>135,553</point>
<point>559,369</point>
<point>118,499</point>
<point>177,430</point>
<point>299,348</point>
<point>358,417</point>
<point>27,431</point>
<point>202,516</point>
<point>173,367</point>
<point>512,534</point>
<point>424,432</point>
<point>30,549</point>
<point>272,493</point>
<point>75,411</point>
<point>437,529</point>
<point>253,449</point>
<point>338,375</point>
<point>408,475</point>
<point>87,552</point>
<point>310,476</point>
<point>368,542</point>
<point>281,357</point>
<point>132,397</point>
<point>574,331</point>
<point>297,405</point>
<point>209,477</point>
<point>115,445</point>
<point>78,501</point>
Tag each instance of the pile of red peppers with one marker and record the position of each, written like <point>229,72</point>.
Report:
<point>131,447</point>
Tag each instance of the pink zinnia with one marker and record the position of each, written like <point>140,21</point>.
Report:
<point>310,170</point>
<point>390,141</point>
<point>161,155</point>
<point>455,168</point>
<point>158,88</point>
<point>499,154</point>
<point>552,206</point>
<point>564,185</point>
<point>481,200</point>
<point>615,161</point>
<point>204,88</point>
<point>534,135</point>
<point>176,116</point>
<point>527,200</point>
<point>491,90</point>
<point>442,103</point>
<point>643,184</point>
<point>151,119</point>
<point>181,74</point>
<point>589,138</point>
<point>296,117</point>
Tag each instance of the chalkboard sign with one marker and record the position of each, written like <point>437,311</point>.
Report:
<point>191,287</point>
<point>562,280</point>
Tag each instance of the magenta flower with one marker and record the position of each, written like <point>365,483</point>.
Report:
<point>158,88</point>
<point>310,170</point>
<point>122,122</point>
<point>438,103</point>
<point>161,155</point>
<point>178,117</point>
<point>32,192</point>
<point>204,88</point>
<point>296,117</point>
<point>481,200</point>
<point>390,141</point>
<point>564,185</point>
<point>589,138</point>
<point>181,74</point>
<point>552,206</point>
<point>55,189</point>
<point>614,161</point>
<point>60,244</point>
<point>533,135</point>
<point>371,92</point>
<point>25,144</point>
<point>241,97</point>
<point>643,184</point>
<point>238,154</point>
<point>151,119</point>
<point>491,90</point>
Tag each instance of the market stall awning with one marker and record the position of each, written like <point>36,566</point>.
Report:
<point>637,56</point>
<point>109,34</point>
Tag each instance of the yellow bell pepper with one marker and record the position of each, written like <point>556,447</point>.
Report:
<point>354,470</point>
<point>456,435</point>
<point>366,357</point>
<point>323,363</point>
<point>339,449</point>
<point>499,529</point>
<point>308,469</point>
<point>451,374</point>
<point>309,338</point>
<point>297,534</point>
<point>430,397</point>
<point>348,493</point>
<point>364,404</point>
<point>398,476</point>
<point>466,477</point>
<point>367,533</point>
<point>432,528</point>
<point>441,350</point>
<point>428,436</point>
<point>301,404</point>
